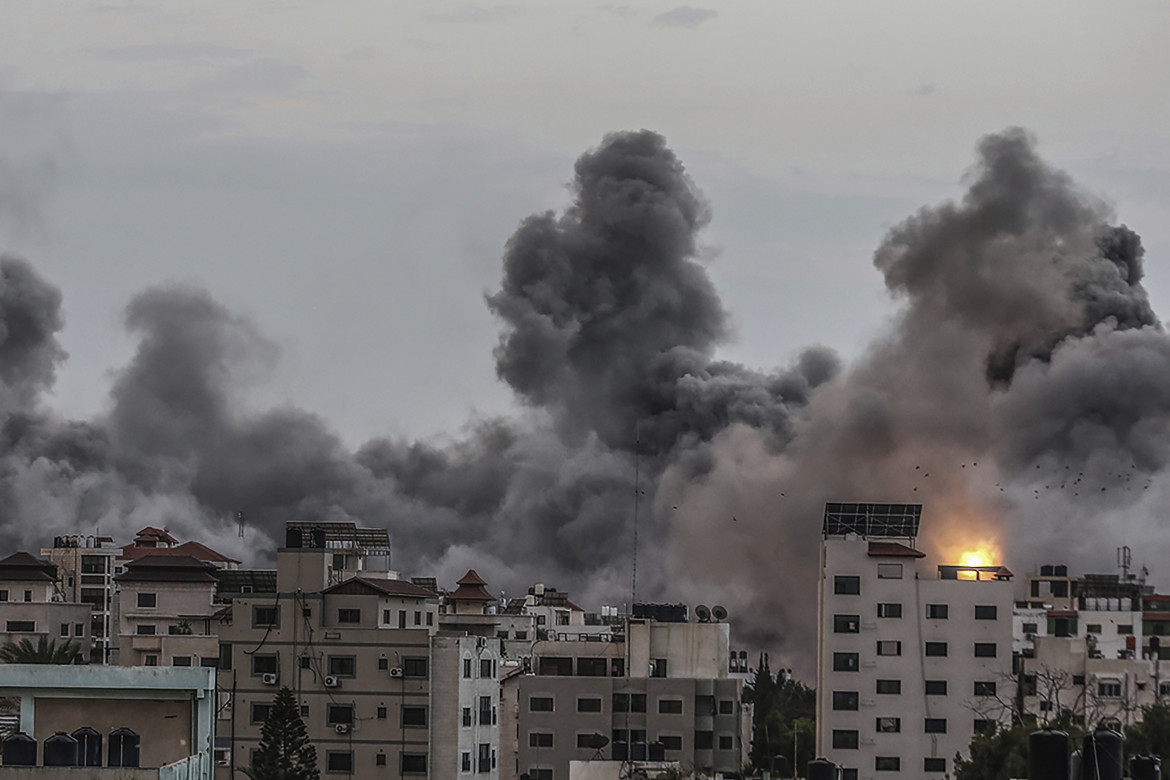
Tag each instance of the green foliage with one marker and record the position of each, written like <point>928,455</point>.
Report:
<point>45,651</point>
<point>1151,737</point>
<point>784,714</point>
<point>285,752</point>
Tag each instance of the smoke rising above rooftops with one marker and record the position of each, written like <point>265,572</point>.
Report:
<point>1023,391</point>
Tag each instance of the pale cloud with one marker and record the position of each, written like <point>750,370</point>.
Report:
<point>166,51</point>
<point>477,14</point>
<point>684,16</point>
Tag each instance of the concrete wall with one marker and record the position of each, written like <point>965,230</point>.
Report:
<point>164,726</point>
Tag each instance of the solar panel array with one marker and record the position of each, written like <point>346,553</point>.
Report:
<point>899,521</point>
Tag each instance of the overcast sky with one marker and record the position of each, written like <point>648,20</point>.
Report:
<point>348,173</point>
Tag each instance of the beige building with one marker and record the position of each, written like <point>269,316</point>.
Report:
<point>355,649</point>
<point>910,655</point>
<point>655,690</point>
<point>165,612</point>
<point>85,566</point>
<point>33,606</point>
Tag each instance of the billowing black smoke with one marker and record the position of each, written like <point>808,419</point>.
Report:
<point>1025,353</point>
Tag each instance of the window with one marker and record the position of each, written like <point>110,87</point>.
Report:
<point>985,649</point>
<point>589,704</point>
<point>415,667</point>
<point>670,741</point>
<point>844,739</point>
<point>1109,689</point>
<point>3,595</point>
<point>151,660</point>
<point>934,765</point>
<point>387,616</point>
<point>726,707</point>
<point>349,616</point>
<point>629,702</point>
<point>540,739</point>
<point>889,725</point>
<point>521,635</point>
<point>487,713</point>
<point>225,655</point>
<point>704,740</point>
<point>402,618</point>
<point>889,686</point>
<point>1093,628</point>
<point>417,618</point>
<point>1079,679</point>
<point>937,649</point>
<point>657,667</point>
<point>467,716</point>
<point>265,617</point>
<point>264,664</point>
<point>704,705</point>
<point>143,629</point>
<point>670,707</point>
<point>984,688</point>
<point>1125,628</point>
<point>465,761</point>
<point>540,773</point>
<point>592,667</point>
<point>430,618</point>
<point>845,662</point>
<point>887,764</point>
<point>936,725</point>
<point>342,666</point>
<point>466,668</point>
<point>889,647</point>
<point>79,629</point>
<point>937,611</point>
<point>414,716</point>
<point>984,726</point>
<point>414,763</point>
<point>540,704</point>
<point>261,711</point>
<point>339,761</point>
<point>64,629</point>
<point>381,713</point>
<point>846,624</point>
<point>28,595</point>
<point>726,742</point>
<point>846,585</point>
<point>935,687</point>
<point>147,600</point>
<point>181,660</point>
<point>889,610</point>
<point>339,713</point>
<point>985,612</point>
<point>380,759</point>
<point>1031,628</point>
<point>889,571</point>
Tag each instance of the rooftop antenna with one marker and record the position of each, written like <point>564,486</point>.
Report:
<point>637,490</point>
<point>1123,561</point>
<point>240,521</point>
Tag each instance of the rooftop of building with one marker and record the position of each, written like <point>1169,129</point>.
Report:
<point>25,567</point>
<point>363,585</point>
<point>471,588</point>
<point>193,549</point>
<point>337,535</point>
<point>167,568</point>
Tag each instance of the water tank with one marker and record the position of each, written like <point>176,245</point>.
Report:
<point>124,748</point>
<point>1048,755</point>
<point>637,751</point>
<point>1145,768</point>
<point>293,538</point>
<point>89,746</point>
<point>621,750</point>
<point>1102,755</point>
<point>61,750</point>
<point>657,751</point>
<point>821,769</point>
<point>20,750</point>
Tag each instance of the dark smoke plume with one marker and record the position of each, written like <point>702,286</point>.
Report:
<point>1025,352</point>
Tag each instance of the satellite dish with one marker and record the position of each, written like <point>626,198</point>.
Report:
<point>702,613</point>
<point>598,741</point>
<point>719,613</point>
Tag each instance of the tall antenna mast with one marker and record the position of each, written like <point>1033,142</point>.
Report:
<point>637,492</point>
<point>240,520</point>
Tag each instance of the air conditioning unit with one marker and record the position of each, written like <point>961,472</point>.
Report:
<point>269,679</point>
<point>396,671</point>
<point>342,728</point>
<point>332,682</point>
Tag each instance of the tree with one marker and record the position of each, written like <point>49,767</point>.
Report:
<point>45,651</point>
<point>1002,753</point>
<point>783,718</point>
<point>1151,737</point>
<point>284,752</point>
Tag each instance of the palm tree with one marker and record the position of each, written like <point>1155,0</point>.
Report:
<point>45,651</point>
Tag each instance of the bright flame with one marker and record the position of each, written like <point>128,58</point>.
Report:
<point>976,558</point>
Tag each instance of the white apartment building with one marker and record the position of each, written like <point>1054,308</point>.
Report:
<point>908,652</point>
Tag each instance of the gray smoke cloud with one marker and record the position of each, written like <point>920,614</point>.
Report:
<point>1024,353</point>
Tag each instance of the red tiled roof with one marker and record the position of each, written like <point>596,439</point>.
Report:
<point>194,549</point>
<point>471,588</point>
<point>155,534</point>
<point>894,550</point>
<point>24,567</point>
<point>385,587</point>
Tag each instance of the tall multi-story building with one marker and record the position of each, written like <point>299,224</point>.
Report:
<point>353,644</point>
<point>906,655</point>
<point>656,690</point>
<point>86,569</point>
<point>32,606</point>
<point>165,612</point>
